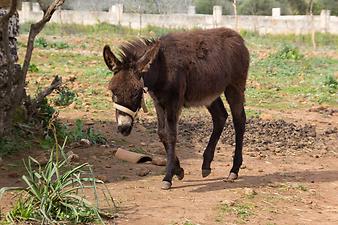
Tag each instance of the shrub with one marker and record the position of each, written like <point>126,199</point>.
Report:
<point>65,97</point>
<point>41,42</point>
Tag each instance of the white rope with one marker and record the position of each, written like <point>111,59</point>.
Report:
<point>125,110</point>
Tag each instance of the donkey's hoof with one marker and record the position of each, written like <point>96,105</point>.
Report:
<point>231,178</point>
<point>180,176</point>
<point>206,172</point>
<point>166,185</point>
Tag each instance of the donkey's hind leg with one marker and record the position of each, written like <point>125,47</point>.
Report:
<point>219,116</point>
<point>235,99</point>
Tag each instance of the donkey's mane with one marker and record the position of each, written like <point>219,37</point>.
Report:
<point>130,51</point>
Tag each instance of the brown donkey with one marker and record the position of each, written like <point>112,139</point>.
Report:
<point>185,69</point>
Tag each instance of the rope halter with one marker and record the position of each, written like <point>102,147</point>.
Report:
<point>121,108</point>
<point>131,113</point>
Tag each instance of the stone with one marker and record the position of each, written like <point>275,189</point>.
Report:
<point>249,191</point>
<point>159,161</point>
<point>85,142</point>
<point>143,172</point>
<point>72,157</point>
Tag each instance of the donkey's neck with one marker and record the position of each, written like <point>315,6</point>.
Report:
<point>152,78</point>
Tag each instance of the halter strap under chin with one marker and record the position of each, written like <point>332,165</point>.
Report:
<point>125,110</point>
<point>128,111</point>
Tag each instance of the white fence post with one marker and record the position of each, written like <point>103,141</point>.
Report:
<point>116,12</point>
<point>325,20</point>
<point>191,10</point>
<point>217,15</point>
<point>36,7</point>
<point>275,12</point>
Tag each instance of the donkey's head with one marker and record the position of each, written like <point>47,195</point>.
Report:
<point>127,83</point>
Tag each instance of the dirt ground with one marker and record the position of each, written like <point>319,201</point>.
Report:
<point>289,175</point>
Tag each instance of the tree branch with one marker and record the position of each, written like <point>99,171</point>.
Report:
<point>56,84</point>
<point>35,30</point>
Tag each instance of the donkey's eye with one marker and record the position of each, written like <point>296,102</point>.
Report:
<point>135,95</point>
<point>114,98</point>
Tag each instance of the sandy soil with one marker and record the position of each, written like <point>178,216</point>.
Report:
<point>289,175</point>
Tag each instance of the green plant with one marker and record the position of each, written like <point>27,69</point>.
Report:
<point>33,68</point>
<point>55,193</point>
<point>288,52</point>
<point>65,97</point>
<point>188,222</point>
<point>242,210</point>
<point>78,133</point>
<point>60,45</point>
<point>18,140</point>
<point>331,83</point>
<point>41,42</point>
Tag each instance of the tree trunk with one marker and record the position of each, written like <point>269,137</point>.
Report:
<point>12,75</point>
<point>10,72</point>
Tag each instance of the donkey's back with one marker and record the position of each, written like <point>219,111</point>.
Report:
<point>209,61</point>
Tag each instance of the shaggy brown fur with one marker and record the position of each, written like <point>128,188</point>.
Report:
<point>185,69</point>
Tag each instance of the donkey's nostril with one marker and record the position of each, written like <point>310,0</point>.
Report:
<point>124,129</point>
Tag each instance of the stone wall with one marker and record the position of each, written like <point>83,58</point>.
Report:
<point>275,24</point>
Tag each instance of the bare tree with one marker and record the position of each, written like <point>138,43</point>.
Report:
<point>313,33</point>
<point>15,74</point>
<point>234,4</point>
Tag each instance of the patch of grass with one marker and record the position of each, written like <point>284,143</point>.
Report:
<point>252,113</point>
<point>14,143</point>
<point>242,210</point>
<point>33,68</point>
<point>41,42</point>
<point>79,133</point>
<point>302,187</point>
<point>188,222</point>
<point>59,45</point>
<point>138,150</point>
<point>331,83</point>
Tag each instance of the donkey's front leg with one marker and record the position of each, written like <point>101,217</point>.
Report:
<point>173,165</point>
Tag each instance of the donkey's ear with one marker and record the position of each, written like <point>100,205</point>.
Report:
<point>143,64</point>
<point>111,61</point>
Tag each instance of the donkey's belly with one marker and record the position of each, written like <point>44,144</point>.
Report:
<point>202,101</point>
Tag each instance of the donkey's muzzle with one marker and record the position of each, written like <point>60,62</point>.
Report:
<point>124,129</point>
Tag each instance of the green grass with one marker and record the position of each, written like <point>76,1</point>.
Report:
<point>284,74</point>
<point>54,193</point>
<point>242,210</point>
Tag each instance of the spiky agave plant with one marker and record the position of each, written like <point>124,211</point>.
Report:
<point>54,193</point>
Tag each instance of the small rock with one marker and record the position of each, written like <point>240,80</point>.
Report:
<point>143,143</point>
<point>103,178</point>
<point>85,142</point>
<point>249,191</point>
<point>143,172</point>
<point>72,157</point>
<point>72,78</point>
<point>159,161</point>
<point>228,202</point>
<point>260,170</point>
<point>243,167</point>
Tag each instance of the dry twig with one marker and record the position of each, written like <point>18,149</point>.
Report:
<point>35,30</point>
